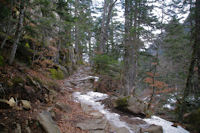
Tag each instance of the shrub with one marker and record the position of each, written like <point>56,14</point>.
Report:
<point>105,64</point>
<point>56,74</point>
<point>27,45</point>
<point>17,80</point>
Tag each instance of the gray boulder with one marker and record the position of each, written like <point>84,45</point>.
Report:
<point>86,108</point>
<point>153,129</point>
<point>63,107</point>
<point>116,129</point>
<point>97,131</point>
<point>93,124</point>
<point>136,106</point>
<point>47,122</point>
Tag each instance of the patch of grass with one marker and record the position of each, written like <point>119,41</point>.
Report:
<point>56,74</point>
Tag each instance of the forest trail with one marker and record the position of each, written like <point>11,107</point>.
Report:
<point>85,113</point>
<point>94,118</point>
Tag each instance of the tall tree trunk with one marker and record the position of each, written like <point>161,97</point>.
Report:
<point>90,47</point>
<point>106,17</point>
<point>77,35</point>
<point>102,34</point>
<point>195,58</point>
<point>197,38</point>
<point>58,52</point>
<point>130,50</point>
<point>9,28</point>
<point>128,78</point>
<point>18,32</point>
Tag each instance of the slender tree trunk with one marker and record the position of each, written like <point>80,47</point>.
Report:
<point>4,41</point>
<point>90,48</point>
<point>58,52</point>
<point>112,38</point>
<point>18,32</point>
<point>106,17</point>
<point>154,76</point>
<point>197,38</point>
<point>77,35</point>
<point>128,77</point>
<point>9,28</point>
<point>109,17</point>
<point>102,35</point>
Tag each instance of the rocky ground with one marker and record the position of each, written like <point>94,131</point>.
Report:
<point>82,117</point>
<point>75,109</point>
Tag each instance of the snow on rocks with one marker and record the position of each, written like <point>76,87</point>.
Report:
<point>92,98</point>
<point>166,125</point>
<point>89,77</point>
<point>169,106</point>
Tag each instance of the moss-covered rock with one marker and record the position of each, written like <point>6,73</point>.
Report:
<point>56,73</point>
<point>122,102</point>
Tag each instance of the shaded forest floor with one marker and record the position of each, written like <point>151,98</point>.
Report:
<point>19,82</point>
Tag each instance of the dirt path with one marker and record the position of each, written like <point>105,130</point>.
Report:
<point>67,119</point>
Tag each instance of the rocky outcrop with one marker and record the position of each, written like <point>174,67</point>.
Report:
<point>47,122</point>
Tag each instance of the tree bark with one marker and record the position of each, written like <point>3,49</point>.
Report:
<point>18,32</point>
<point>102,35</point>
<point>106,17</point>
<point>9,28</point>
<point>90,47</point>
<point>195,59</point>
<point>130,50</point>
<point>77,38</point>
<point>197,38</point>
<point>58,52</point>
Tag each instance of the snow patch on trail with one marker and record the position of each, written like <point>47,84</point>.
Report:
<point>169,106</point>
<point>92,98</point>
<point>166,125</point>
<point>90,77</point>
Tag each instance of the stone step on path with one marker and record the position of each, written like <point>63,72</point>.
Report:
<point>98,123</point>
